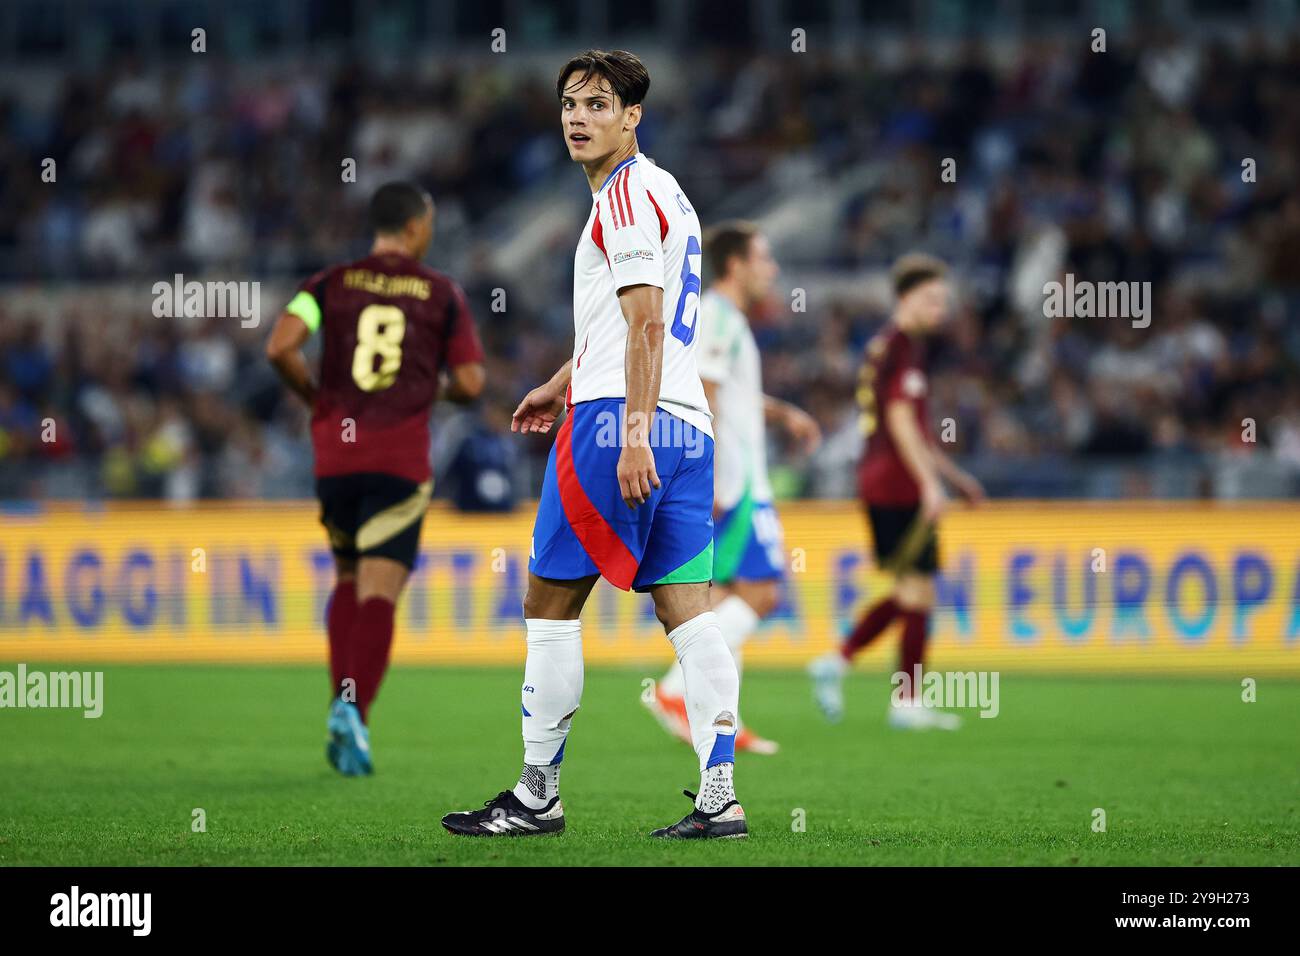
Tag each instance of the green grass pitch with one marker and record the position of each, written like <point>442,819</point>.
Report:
<point>1185,771</point>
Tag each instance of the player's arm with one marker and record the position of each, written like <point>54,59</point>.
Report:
<point>967,485</point>
<point>464,382</point>
<point>542,406</point>
<point>642,307</point>
<point>794,421</point>
<point>284,352</point>
<point>635,252</point>
<point>715,353</point>
<point>711,390</point>
<point>916,455</point>
<point>711,396</point>
<point>463,376</point>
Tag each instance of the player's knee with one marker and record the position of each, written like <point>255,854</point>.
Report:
<point>764,598</point>
<point>664,615</point>
<point>548,606</point>
<point>684,603</point>
<point>534,606</point>
<point>915,592</point>
<point>381,577</point>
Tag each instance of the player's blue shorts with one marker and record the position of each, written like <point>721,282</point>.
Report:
<point>584,527</point>
<point>747,544</point>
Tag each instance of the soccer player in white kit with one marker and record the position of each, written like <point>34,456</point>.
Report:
<point>628,491</point>
<point>748,554</point>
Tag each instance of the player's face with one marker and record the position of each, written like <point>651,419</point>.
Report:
<point>758,270</point>
<point>595,124</point>
<point>929,305</point>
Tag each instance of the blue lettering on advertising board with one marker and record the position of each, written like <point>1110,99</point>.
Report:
<point>1252,584</point>
<point>1191,565</point>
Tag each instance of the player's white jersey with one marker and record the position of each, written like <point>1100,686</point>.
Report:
<point>729,357</point>
<point>641,231</point>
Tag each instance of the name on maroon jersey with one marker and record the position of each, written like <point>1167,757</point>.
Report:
<point>386,285</point>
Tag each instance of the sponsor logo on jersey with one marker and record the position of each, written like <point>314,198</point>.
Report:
<point>647,254</point>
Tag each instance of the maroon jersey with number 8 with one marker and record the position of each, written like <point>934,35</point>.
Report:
<point>389,326</point>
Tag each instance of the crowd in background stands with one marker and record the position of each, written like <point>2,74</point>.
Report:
<point>1126,166</point>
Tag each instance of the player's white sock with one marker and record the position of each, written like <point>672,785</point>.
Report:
<point>736,620</point>
<point>551,694</point>
<point>673,684</point>
<point>716,789</point>
<point>831,664</point>
<point>712,688</point>
<point>538,786</point>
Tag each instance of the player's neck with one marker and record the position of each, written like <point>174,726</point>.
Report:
<point>386,246</point>
<point>597,173</point>
<point>731,292</point>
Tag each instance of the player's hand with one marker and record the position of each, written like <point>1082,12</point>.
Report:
<point>934,502</point>
<point>969,487</point>
<point>538,411</point>
<point>803,428</point>
<point>637,476</point>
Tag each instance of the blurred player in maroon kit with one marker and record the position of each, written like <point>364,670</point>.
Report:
<point>901,484</point>
<point>393,329</point>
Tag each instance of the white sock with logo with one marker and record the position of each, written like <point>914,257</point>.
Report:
<point>712,699</point>
<point>538,786</point>
<point>716,788</point>
<point>551,694</point>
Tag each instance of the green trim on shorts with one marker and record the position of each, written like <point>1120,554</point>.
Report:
<point>734,540</point>
<point>698,569</point>
<point>304,306</point>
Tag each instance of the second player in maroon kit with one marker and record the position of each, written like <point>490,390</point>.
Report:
<point>893,370</point>
<point>900,481</point>
<point>394,334</point>
<point>390,327</point>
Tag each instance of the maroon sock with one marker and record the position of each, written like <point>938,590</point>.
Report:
<point>873,622</point>
<point>338,623</point>
<point>916,627</point>
<point>372,637</point>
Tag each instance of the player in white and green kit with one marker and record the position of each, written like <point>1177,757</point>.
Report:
<point>748,555</point>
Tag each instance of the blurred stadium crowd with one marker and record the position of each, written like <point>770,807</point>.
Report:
<point>1122,166</point>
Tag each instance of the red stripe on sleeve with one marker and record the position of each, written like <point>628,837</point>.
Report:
<point>626,198</point>
<point>616,202</point>
<point>663,220</point>
<point>598,234</point>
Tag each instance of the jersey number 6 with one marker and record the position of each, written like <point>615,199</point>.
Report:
<point>690,283</point>
<point>380,329</point>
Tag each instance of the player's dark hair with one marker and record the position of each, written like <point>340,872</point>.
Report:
<point>914,268</point>
<point>623,71</point>
<point>726,240</point>
<point>395,204</point>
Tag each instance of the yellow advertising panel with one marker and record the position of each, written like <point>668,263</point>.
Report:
<point>1063,587</point>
